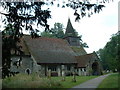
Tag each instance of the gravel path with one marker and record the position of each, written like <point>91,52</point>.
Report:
<point>90,84</point>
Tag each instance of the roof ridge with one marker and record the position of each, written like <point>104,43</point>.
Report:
<point>46,38</point>
<point>85,54</point>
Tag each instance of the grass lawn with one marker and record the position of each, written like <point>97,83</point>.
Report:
<point>68,80</point>
<point>33,81</point>
<point>110,82</point>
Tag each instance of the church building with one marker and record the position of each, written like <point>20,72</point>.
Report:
<point>44,54</point>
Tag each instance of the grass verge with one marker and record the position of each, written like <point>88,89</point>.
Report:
<point>110,82</point>
<point>68,80</point>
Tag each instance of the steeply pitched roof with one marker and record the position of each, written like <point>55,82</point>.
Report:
<point>85,59</point>
<point>50,50</point>
<point>69,29</point>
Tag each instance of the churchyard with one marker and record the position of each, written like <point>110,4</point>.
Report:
<point>34,81</point>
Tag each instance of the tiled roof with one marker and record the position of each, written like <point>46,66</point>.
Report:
<point>79,50</point>
<point>85,59</point>
<point>50,50</point>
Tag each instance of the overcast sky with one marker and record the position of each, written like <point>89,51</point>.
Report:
<point>96,30</point>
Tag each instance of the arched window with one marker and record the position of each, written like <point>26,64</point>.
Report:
<point>28,71</point>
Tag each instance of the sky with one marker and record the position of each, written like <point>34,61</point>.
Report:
<point>96,30</point>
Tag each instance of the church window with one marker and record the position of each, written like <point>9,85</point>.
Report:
<point>52,68</point>
<point>81,69</point>
<point>84,69</point>
<point>28,71</point>
<point>68,68</point>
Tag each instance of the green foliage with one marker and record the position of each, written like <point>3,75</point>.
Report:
<point>110,53</point>
<point>9,29</point>
<point>110,82</point>
<point>56,31</point>
<point>47,34</point>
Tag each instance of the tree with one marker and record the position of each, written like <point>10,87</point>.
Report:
<point>9,42</point>
<point>9,29</point>
<point>82,8</point>
<point>27,13</point>
<point>18,15</point>
<point>47,34</point>
<point>110,53</point>
<point>58,30</point>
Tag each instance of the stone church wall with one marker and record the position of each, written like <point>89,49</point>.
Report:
<point>21,67</point>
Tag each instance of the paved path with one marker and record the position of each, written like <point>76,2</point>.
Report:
<point>91,84</point>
